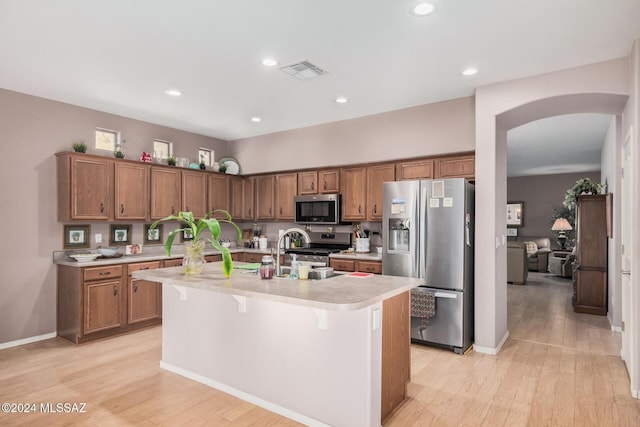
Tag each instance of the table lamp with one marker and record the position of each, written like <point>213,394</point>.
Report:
<point>561,225</point>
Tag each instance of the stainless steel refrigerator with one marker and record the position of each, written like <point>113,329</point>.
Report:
<point>427,233</point>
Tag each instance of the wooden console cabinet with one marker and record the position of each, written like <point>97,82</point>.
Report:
<point>590,274</point>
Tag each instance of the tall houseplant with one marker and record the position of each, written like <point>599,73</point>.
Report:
<point>193,261</point>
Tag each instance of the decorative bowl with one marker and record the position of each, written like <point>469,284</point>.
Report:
<point>108,251</point>
<point>84,257</point>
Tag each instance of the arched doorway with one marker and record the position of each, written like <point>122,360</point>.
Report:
<point>598,88</point>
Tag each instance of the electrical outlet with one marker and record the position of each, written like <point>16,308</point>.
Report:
<point>98,238</point>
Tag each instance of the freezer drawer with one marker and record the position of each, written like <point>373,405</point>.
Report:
<point>450,326</point>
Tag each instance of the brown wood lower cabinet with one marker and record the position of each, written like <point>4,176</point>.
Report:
<point>347,264</point>
<point>396,352</point>
<point>97,302</point>
<point>144,297</point>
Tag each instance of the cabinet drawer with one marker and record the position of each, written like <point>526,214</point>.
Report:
<point>213,258</point>
<point>99,273</point>
<point>251,257</point>
<point>174,262</point>
<point>370,267</point>
<point>143,266</point>
<point>343,264</point>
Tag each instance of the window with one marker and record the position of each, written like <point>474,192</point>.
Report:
<point>205,156</point>
<point>162,149</point>
<point>106,139</point>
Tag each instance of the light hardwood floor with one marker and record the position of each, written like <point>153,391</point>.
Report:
<point>557,368</point>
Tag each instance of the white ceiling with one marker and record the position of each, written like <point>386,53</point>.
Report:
<point>119,56</point>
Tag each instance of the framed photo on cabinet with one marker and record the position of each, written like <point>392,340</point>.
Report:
<point>515,214</point>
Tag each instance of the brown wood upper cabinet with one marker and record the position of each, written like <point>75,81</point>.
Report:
<point>308,182</point>
<point>236,196</point>
<point>286,190</point>
<point>218,193</point>
<point>194,192</point>
<point>376,176</point>
<point>85,187</point>
<point>419,169</point>
<point>248,198</point>
<point>265,196</point>
<point>329,181</point>
<point>354,191</point>
<point>131,190</point>
<point>457,167</point>
<point>166,191</point>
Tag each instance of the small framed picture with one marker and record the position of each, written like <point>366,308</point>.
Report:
<point>120,234</point>
<point>152,235</point>
<point>76,236</point>
<point>512,232</point>
<point>186,235</point>
<point>515,214</point>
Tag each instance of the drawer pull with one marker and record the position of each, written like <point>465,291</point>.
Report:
<point>104,273</point>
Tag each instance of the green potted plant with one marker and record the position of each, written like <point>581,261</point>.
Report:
<point>582,186</point>
<point>194,261</point>
<point>79,147</point>
<point>171,161</point>
<point>223,167</point>
<point>203,166</point>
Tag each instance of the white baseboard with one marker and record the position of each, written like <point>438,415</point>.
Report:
<point>29,340</point>
<point>491,350</point>
<point>244,396</point>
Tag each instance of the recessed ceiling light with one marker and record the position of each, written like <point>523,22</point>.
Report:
<point>469,72</point>
<point>269,62</point>
<point>341,100</point>
<point>422,9</point>
<point>256,119</point>
<point>173,92</point>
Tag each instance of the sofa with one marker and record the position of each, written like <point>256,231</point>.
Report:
<point>517,263</point>
<point>538,250</point>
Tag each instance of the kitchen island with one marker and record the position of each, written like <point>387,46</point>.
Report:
<point>328,352</point>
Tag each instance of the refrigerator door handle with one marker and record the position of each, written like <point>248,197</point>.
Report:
<point>445,295</point>
<point>421,210</point>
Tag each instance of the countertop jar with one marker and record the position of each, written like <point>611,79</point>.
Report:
<point>267,267</point>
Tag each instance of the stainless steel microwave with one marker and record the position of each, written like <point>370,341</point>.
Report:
<point>318,209</point>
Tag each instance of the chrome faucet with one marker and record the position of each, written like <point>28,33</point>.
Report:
<point>306,237</point>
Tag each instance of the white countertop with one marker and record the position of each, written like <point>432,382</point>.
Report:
<point>62,259</point>
<point>339,293</point>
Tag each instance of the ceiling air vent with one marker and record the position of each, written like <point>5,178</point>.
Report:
<point>303,70</point>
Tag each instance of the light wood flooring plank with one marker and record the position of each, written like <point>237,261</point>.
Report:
<point>558,368</point>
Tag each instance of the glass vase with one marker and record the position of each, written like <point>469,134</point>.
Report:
<point>193,261</point>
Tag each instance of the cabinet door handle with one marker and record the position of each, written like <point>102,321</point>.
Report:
<point>280,210</point>
<point>188,210</point>
<point>359,208</point>
<point>101,207</point>
<point>115,290</point>
<point>269,211</point>
<point>324,185</point>
<point>312,185</point>
<point>135,288</point>
<point>173,210</point>
<point>121,208</point>
<point>375,208</point>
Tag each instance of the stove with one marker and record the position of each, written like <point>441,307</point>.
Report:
<point>320,247</point>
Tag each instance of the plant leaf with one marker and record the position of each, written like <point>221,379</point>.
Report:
<point>172,235</point>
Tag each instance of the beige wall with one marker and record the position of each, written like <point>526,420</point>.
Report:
<point>31,131</point>
<point>443,127</point>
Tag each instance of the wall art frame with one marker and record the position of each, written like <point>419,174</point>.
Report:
<point>120,234</point>
<point>76,236</point>
<point>515,214</point>
<point>153,236</point>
